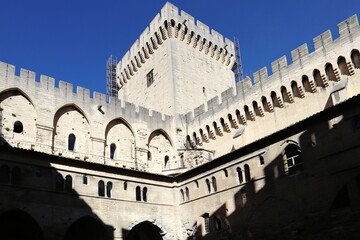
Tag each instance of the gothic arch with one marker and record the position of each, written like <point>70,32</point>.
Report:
<point>160,145</point>
<point>18,110</point>
<point>87,228</point>
<point>17,224</point>
<point>70,119</point>
<point>149,229</point>
<point>120,133</point>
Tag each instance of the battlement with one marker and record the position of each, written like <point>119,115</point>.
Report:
<point>27,82</point>
<point>169,23</point>
<point>282,72</point>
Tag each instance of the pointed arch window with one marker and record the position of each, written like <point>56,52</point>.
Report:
<point>213,184</point>
<point>240,176</point>
<point>247,173</point>
<point>187,194</point>
<point>208,186</point>
<point>144,193</point>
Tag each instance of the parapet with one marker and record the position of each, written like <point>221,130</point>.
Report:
<point>348,29</point>
<point>65,93</point>
<point>170,23</point>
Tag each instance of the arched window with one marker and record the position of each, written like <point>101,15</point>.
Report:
<point>101,188</point>
<point>187,194</point>
<point>166,162</point>
<point>59,184</point>
<point>329,70</point>
<point>213,183</point>
<point>4,174</point>
<point>182,195</point>
<point>317,78</point>
<point>68,183</point>
<point>125,185</point>
<point>109,187</point>
<point>138,193</point>
<point>216,128</point>
<point>18,127</point>
<point>15,176</point>
<point>295,89</point>
<point>344,70</point>
<point>306,83</point>
<point>113,151</point>
<point>239,173</point>
<point>149,156</point>
<point>247,173</point>
<point>208,131</point>
<point>145,194</point>
<point>188,141</point>
<point>208,186</point>
<point>285,95</point>
<point>201,134</point>
<point>293,160</point>
<point>355,58</point>
<point>71,142</point>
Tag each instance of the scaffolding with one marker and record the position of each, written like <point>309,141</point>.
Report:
<point>237,68</point>
<point>112,85</point>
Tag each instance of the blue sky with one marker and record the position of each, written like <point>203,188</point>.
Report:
<point>71,40</point>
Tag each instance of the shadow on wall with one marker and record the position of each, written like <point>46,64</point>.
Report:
<point>37,203</point>
<point>320,199</point>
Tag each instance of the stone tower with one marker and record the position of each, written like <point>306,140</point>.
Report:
<point>176,64</point>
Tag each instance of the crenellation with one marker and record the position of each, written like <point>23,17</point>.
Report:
<point>66,88</point>
<point>279,64</point>
<point>199,110</point>
<point>299,53</point>
<point>204,29</point>
<point>322,40</point>
<point>225,95</point>
<point>27,76</point>
<point>169,10</point>
<point>47,82</point>
<point>212,103</point>
<point>260,76</point>
<point>83,93</point>
<point>348,26</point>
<point>190,20</point>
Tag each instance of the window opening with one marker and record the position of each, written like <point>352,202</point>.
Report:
<point>113,151</point>
<point>68,183</point>
<point>293,159</point>
<point>187,194</point>
<point>261,160</point>
<point>150,77</point>
<point>247,173</point>
<point>166,162</point>
<point>217,223</point>
<point>239,172</point>
<point>109,186</point>
<point>85,180</point>
<point>71,142</point>
<point>59,182</point>
<point>18,127</point>
<point>208,186</point>
<point>138,193</point>
<point>213,183</point>
<point>101,188</point>
<point>145,194</point>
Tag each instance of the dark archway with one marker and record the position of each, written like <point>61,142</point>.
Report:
<point>87,228</point>
<point>145,231</point>
<point>18,225</point>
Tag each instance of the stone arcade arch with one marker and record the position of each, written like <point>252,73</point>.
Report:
<point>120,136</point>
<point>18,225</point>
<point>145,230</point>
<point>69,120</point>
<point>18,110</point>
<point>160,145</point>
<point>87,228</point>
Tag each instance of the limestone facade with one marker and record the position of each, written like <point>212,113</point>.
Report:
<point>208,159</point>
